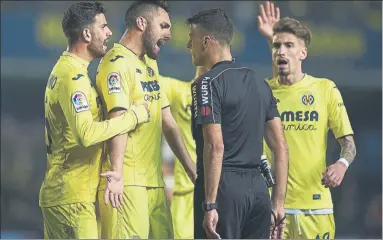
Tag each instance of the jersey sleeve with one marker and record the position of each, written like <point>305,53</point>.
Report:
<point>338,119</point>
<point>208,101</point>
<point>113,83</point>
<point>164,100</point>
<point>168,86</point>
<point>272,111</point>
<point>74,100</point>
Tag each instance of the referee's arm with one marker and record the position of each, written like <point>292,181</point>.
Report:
<point>209,116</point>
<point>275,140</point>
<point>212,159</point>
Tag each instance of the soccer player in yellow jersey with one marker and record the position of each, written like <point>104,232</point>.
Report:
<point>135,186</point>
<point>179,95</point>
<point>309,107</point>
<point>74,128</point>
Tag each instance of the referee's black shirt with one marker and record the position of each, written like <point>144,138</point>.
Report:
<point>233,96</point>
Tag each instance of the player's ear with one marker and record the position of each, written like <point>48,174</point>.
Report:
<point>87,35</point>
<point>141,23</point>
<point>303,54</point>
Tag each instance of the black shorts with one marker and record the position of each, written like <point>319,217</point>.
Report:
<point>244,206</point>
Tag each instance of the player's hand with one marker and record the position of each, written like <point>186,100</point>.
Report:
<point>192,173</point>
<point>142,112</point>
<point>333,175</point>
<point>114,191</point>
<point>278,223</point>
<point>268,15</point>
<point>210,224</point>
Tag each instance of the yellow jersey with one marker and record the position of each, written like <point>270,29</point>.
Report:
<point>179,95</point>
<point>123,78</point>
<point>308,110</point>
<point>74,134</point>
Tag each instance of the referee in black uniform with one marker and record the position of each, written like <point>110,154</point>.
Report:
<point>232,111</point>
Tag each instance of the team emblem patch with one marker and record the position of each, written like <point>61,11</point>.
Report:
<point>79,101</point>
<point>308,99</point>
<point>150,71</point>
<point>114,83</point>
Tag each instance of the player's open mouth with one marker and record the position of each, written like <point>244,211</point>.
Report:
<point>282,62</point>
<point>160,43</point>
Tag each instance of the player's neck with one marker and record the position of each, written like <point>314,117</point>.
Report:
<point>223,54</point>
<point>80,51</point>
<point>291,78</point>
<point>134,43</point>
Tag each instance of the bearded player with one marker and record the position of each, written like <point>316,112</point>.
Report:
<point>134,185</point>
<point>74,129</point>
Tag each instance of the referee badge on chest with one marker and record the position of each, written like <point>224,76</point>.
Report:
<point>114,83</point>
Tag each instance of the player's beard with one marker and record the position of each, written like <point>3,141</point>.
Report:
<point>96,48</point>
<point>283,72</point>
<point>149,43</point>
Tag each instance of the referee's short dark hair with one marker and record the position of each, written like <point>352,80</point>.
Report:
<point>143,8</point>
<point>216,22</point>
<point>78,16</point>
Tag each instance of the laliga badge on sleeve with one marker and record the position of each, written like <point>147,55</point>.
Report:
<point>79,101</point>
<point>114,83</point>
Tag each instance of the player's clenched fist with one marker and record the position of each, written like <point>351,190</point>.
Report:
<point>333,175</point>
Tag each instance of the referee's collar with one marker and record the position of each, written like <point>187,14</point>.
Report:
<point>224,62</point>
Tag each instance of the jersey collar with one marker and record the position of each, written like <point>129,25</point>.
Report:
<point>129,51</point>
<point>223,62</point>
<point>77,59</point>
<point>298,84</point>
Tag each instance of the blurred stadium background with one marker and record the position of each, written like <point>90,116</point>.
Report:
<point>346,47</point>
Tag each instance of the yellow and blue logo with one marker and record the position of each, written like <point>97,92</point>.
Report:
<point>308,99</point>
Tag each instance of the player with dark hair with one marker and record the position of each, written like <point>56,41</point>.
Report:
<point>309,107</point>
<point>232,109</point>
<point>74,129</point>
<point>135,185</point>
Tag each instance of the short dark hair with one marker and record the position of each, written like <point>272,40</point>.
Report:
<point>143,8</point>
<point>78,16</point>
<point>293,26</point>
<point>214,21</point>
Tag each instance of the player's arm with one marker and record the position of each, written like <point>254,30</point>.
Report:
<point>74,100</point>
<point>175,141</point>
<point>348,151</point>
<point>268,15</point>
<point>340,125</point>
<point>112,85</point>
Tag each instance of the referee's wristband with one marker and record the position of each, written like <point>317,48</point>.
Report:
<point>344,161</point>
